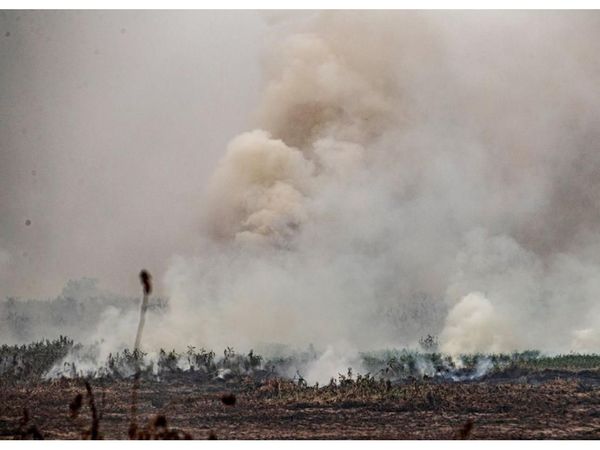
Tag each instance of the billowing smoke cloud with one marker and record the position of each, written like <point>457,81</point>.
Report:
<point>407,174</point>
<point>472,325</point>
<point>410,173</point>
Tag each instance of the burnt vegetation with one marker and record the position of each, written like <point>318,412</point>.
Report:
<point>199,394</point>
<point>60,358</point>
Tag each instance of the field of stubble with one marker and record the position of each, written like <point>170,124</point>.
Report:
<point>512,405</point>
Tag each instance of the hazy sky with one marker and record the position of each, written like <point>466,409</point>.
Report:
<point>382,176</point>
<point>110,123</point>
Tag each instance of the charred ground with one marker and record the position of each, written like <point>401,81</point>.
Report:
<point>521,396</point>
<point>549,404</point>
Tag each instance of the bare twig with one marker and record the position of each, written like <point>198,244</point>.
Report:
<point>25,431</point>
<point>94,430</point>
<point>465,431</point>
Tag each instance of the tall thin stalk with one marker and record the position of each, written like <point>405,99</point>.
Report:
<point>146,280</point>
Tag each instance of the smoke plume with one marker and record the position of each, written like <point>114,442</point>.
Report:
<point>407,173</point>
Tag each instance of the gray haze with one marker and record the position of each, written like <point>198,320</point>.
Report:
<point>355,180</point>
<point>110,123</point>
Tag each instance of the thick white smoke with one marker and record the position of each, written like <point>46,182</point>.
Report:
<point>410,173</point>
<point>474,325</point>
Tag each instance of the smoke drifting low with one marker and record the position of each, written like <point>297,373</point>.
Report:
<point>407,173</point>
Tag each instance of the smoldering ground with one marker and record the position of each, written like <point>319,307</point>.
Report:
<point>404,173</point>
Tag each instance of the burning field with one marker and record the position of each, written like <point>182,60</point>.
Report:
<point>196,395</point>
<point>374,224</point>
